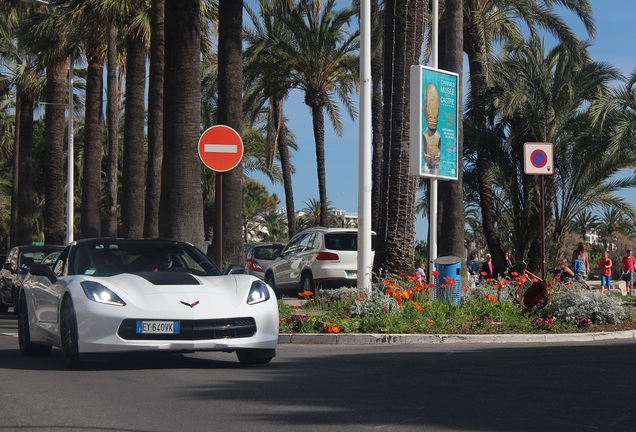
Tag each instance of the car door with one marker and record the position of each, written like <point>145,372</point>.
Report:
<point>46,297</point>
<point>286,266</point>
<point>6,283</point>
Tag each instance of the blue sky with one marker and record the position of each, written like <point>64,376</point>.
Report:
<point>613,43</point>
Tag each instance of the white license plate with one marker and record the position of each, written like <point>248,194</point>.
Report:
<point>351,273</point>
<point>158,327</point>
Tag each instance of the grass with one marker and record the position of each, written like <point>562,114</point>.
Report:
<point>406,306</point>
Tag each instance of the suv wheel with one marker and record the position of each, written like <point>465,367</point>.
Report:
<point>307,283</point>
<point>269,280</point>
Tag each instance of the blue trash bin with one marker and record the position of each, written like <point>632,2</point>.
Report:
<point>448,291</point>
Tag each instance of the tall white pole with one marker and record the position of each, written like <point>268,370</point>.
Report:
<point>70,169</point>
<point>432,219</point>
<point>365,262</point>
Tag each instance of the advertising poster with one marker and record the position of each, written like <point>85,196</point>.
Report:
<point>434,116</point>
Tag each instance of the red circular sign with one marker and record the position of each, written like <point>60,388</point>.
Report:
<point>538,158</point>
<point>220,148</point>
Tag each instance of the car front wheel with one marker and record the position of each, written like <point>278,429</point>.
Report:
<point>68,328</point>
<point>307,283</point>
<point>28,348</point>
<point>255,356</point>
<point>269,280</point>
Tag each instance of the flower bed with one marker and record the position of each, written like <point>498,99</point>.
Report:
<point>504,305</point>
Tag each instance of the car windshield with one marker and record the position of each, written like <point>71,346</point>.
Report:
<point>266,252</point>
<point>111,257</point>
<point>29,257</point>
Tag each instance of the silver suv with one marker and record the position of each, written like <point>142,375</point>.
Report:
<point>316,257</point>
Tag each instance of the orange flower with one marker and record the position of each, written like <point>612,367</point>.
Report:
<point>514,274</point>
<point>492,298</point>
<point>417,306</point>
<point>335,328</point>
<point>305,294</point>
<point>435,273</point>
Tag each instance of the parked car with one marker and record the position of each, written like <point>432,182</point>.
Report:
<point>316,258</point>
<point>259,257</point>
<point>107,295</point>
<point>50,259</point>
<point>15,268</point>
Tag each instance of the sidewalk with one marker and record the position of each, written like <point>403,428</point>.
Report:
<point>411,339</point>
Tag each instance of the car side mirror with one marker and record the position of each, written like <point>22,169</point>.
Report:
<point>43,270</point>
<point>234,269</point>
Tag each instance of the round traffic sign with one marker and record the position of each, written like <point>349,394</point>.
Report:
<point>220,148</point>
<point>538,158</point>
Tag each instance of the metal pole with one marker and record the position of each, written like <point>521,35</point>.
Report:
<point>70,200</point>
<point>365,263</point>
<point>542,228</point>
<point>432,219</point>
<point>219,219</point>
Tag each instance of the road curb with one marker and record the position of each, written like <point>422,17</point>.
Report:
<point>412,339</point>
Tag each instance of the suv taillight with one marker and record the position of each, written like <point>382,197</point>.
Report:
<point>254,266</point>
<point>327,256</point>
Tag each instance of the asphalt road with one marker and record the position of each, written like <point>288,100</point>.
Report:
<point>425,387</point>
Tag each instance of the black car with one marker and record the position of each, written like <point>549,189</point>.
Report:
<point>16,267</point>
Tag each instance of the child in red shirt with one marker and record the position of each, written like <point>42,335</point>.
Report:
<point>605,265</point>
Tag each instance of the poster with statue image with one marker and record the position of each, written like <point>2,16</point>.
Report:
<point>433,117</point>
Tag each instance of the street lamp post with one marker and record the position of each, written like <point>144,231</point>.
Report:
<point>70,200</point>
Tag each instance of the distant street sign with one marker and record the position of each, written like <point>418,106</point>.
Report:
<point>220,148</point>
<point>538,158</point>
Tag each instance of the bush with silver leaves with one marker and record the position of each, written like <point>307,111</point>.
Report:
<point>575,304</point>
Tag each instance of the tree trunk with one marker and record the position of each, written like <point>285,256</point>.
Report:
<point>132,183</point>
<point>396,233</point>
<point>486,195</point>
<point>230,113</point>
<point>25,168</point>
<point>54,209</point>
<point>92,168</point>
<point>376,115</point>
<point>285,164</point>
<point>181,204</point>
<point>451,194</point>
<point>112,107</point>
<point>155,119</point>
<point>318,119</point>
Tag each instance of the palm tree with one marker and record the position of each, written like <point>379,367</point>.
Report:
<point>451,193</point>
<point>155,118</point>
<point>485,23</point>
<point>322,55</point>
<point>230,113</point>
<point>396,234</point>
<point>272,79</point>
<point>584,222</point>
<point>181,205</point>
<point>546,98</point>
<point>44,37</point>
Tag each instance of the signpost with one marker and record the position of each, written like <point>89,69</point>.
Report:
<point>220,149</point>
<point>538,159</point>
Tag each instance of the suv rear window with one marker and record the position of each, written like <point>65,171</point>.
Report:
<point>344,241</point>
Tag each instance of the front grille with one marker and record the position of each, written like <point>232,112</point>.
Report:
<point>226,328</point>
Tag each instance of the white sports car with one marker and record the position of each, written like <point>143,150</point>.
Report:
<point>108,295</point>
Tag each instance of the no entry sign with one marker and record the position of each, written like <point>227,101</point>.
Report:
<point>538,158</point>
<point>220,148</point>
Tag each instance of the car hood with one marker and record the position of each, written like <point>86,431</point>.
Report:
<point>182,291</point>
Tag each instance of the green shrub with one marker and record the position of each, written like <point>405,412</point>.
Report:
<point>575,305</point>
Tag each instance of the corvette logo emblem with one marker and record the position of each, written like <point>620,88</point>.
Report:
<point>193,304</point>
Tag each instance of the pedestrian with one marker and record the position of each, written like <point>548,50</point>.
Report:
<point>473,270</point>
<point>629,262</point>
<point>581,261</point>
<point>487,270</point>
<point>508,261</point>
<point>420,272</point>
<point>605,266</point>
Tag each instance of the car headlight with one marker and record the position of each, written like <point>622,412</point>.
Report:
<point>258,293</point>
<point>100,294</point>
